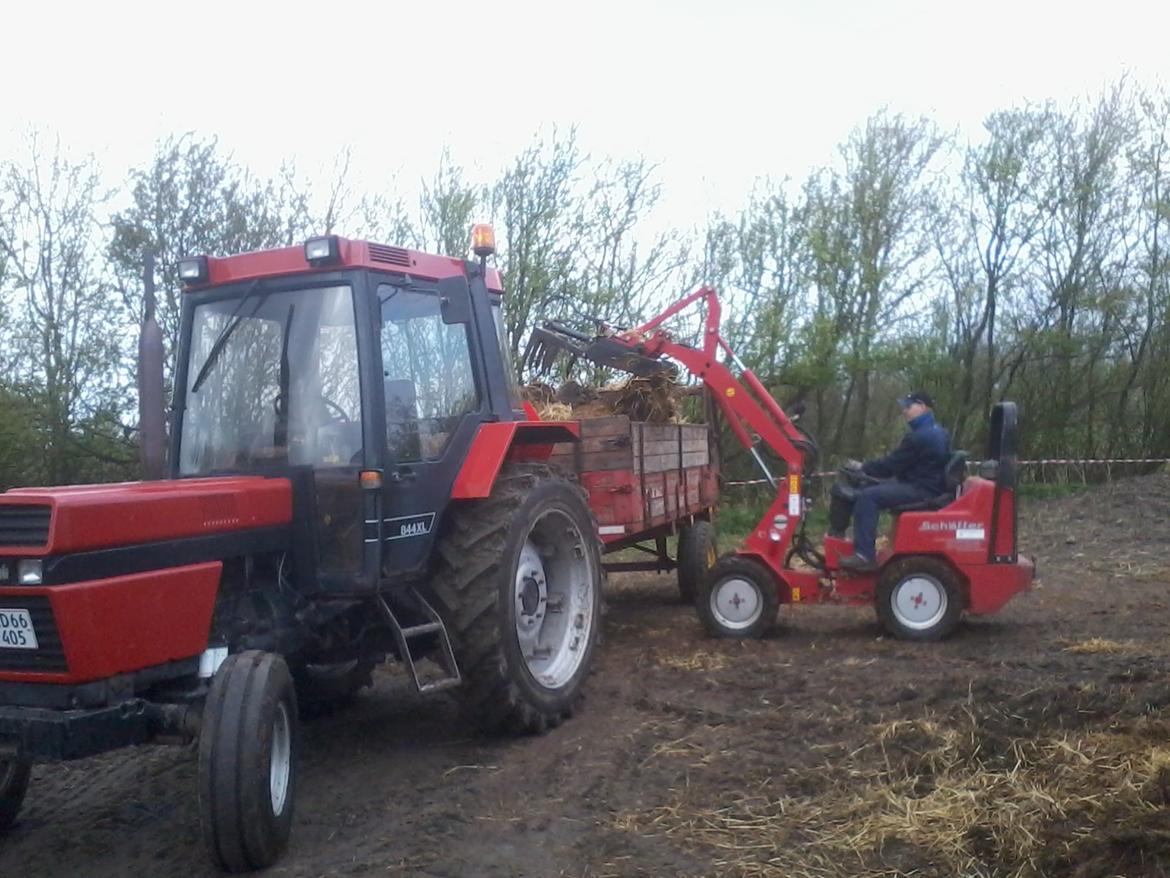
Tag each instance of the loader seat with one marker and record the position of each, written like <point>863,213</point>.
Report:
<point>956,473</point>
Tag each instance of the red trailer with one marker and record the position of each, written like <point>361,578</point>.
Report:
<point>647,482</point>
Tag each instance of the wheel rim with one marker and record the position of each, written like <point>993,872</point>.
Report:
<point>919,602</point>
<point>280,765</point>
<point>736,603</point>
<point>554,600</point>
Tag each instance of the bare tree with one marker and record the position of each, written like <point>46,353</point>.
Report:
<point>534,204</point>
<point>981,234</point>
<point>447,208</point>
<point>66,322</point>
<point>191,199</point>
<point>867,232</point>
<point>1083,249</point>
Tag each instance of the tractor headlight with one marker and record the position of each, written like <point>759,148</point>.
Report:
<point>28,572</point>
<point>193,270</point>
<point>323,250</point>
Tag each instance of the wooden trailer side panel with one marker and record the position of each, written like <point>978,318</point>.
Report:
<point>605,445</point>
<point>641,477</point>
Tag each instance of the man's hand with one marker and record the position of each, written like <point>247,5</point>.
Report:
<point>853,465</point>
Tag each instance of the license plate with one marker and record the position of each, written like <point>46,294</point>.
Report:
<point>16,630</point>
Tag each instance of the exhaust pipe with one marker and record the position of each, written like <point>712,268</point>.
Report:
<point>151,417</point>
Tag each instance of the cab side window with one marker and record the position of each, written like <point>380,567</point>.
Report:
<point>428,381</point>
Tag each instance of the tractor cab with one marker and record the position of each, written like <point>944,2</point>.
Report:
<point>361,373</point>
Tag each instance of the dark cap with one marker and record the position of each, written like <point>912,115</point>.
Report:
<point>917,396</point>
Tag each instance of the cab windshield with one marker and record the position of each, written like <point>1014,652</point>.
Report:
<point>272,377</point>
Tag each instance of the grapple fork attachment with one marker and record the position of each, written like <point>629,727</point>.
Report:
<point>547,342</point>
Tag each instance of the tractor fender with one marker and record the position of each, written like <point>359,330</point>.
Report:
<point>496,442</point>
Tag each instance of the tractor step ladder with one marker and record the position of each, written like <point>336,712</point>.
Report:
<point>410,601</point>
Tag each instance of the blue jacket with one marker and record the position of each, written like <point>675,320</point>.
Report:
<point>921,459</point>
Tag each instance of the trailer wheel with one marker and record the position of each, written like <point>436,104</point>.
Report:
<point>13,784</point>
<point>519,583</point>
<point>247,761</point>
<point>919,599</point>
<point>739,598</point>
<point>322,688</point>
<point>697,554</point>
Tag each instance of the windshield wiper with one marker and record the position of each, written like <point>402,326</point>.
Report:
<point>234,321</point>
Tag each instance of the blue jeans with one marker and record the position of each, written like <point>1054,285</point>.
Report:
<point>870,501</point>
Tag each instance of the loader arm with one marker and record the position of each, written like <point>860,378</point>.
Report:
<point>745,402</point>
<point>751,408</point>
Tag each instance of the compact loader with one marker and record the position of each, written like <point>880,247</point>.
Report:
<point>947,555</point>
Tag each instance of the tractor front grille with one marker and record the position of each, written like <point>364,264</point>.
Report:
<point>391,255</point>
<point>25,525</point>
<point>50,656</point>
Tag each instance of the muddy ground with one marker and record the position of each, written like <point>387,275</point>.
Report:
<point>1036,742</point>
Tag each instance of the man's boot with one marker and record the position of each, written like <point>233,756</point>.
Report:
<point>858,563</point>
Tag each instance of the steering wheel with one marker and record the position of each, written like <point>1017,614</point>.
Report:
<point>336,411</point>
<point>330,405</point>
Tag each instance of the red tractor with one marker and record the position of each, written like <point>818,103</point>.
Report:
<point>352,478</point>
<point>953,553</point>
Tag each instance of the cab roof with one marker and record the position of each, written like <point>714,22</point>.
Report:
<point>284,261</point>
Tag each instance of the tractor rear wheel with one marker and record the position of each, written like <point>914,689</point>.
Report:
<point>738,599</point>
<point>919,599</point>
<point>697,554</point>
<point>247,761</point>
<point>519,584</point>
<point>13,784</point>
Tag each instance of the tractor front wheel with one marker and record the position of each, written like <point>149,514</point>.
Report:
<point>738,599</point>
<point>919,599</point>
<point>247,761</point>
<point>13,784</point>
<point>697,554</point>
<point>519,583</point>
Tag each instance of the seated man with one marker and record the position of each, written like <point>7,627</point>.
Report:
<point>916,470</point>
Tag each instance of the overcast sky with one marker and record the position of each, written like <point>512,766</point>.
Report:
<point>718,93</point>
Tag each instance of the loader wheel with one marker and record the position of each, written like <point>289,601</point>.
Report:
<point>519,584</point>
<point>322,688</point>
<point>247,761</point>
<point>697,554</point>
<point>13,784</point>
<point>739,598</point>
<point>919,599</point>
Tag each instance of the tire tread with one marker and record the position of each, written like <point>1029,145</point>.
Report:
<point>470,555</point>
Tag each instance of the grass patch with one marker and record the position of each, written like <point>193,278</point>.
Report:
<point>700,660</point>
<point>735,522</point>
<point>1051,491</point>
<point>1097,646</point>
